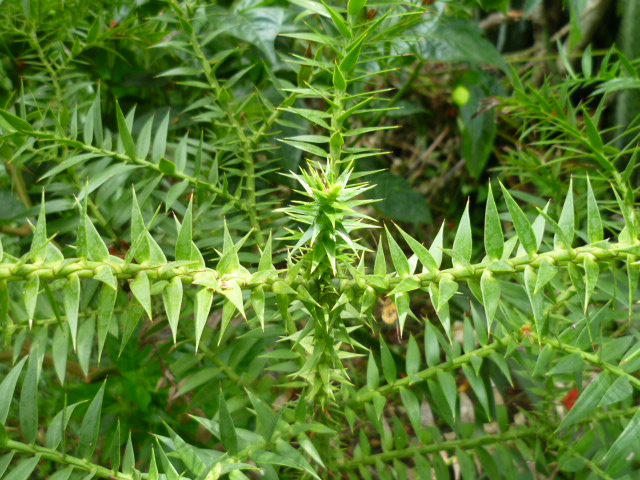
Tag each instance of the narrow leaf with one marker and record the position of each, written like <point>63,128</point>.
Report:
<point>71,297</point>
<point>388,363</point>
<point>227,429</point>
<point>105,315</point>
<point>588,401</point>
<point>31,290</point>
<point>436,247</point>
<point>29,401</point>
<point>60,348</point>
<point>183,245</point>
<point>7,388</point>
<point>172,299</point>
<point>125,134</point>
<point>627,438</point>
<point>90,426</point>
<point>24,469</point>
<point>462,241</point>
<point>397,256</point>
<point>141,289</point>
<point>493,236</point>
<point>490,288</point>
<point>204,299</point>
<point>592,271</point>
<point>566,222</point>
<point>421,252</point>
<point>594,222</point>
<point>523,228</point>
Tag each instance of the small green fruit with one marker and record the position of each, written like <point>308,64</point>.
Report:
<point>461,96</point>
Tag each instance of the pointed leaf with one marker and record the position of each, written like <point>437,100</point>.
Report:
<point>168,468</point>
<point>172,299</point>
<point>436,247</point>
<point>373,374</point>
<point>493,236</point>
<point>588,400</point>
<point>183,245</point>
<point>144,139</point>
<point>31,290</point>
<point>592,271</point>
<point>355,6</point>
<point>28,412</point>
<point>627,438</point>
<point>413,359</point>
<point>397,256</point>
<point>204,299</point>
<point>86,334</point>
<point>536,301</point>
<point>40,240</point>
<point>449,388</point>
<point>105,315</point>
<point>462,242</point>
<point>567,220</point>
<point>96,248</point>
<point>24,469</point>
<point>130,322</point>
<point>141,289</point>
<point>619,390</point>
<point>7,388</point>
<point>523,228</point>
<point>153,468</point>
<point>380,264</point>
<point>388,363</point>
<point>594,222</point>
<point>257,301</point>
<point>105,275</point>
<point>490,287</point>
<point>232,291</point>
<point>160,140</point>
<point>421,252</point>
<point>338,20</point>
<point>129,458</point>
<point>350,60</point>
<point>90,426</point>
<point>60,350</point>
<point>546,272</point>
<point>125,134</point>
<point>447,288</point>
<point>266,257</point>
<point>16,122</point>
<point>71,304</point>
<point>227,429</point>
<point>56,428</point>
<point>478,387</point>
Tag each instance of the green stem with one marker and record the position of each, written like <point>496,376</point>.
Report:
<point>433,371</point>
<point>63,458</point>
<point>34,42</point>
<point>592,359</point>
<point>228,371</point>
<point>464,444</point>
<point>246,157</point>
<point>196,182</point>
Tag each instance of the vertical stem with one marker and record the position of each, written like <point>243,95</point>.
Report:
<point>246,157</point>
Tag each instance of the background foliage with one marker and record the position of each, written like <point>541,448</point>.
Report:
<point>200,273</point>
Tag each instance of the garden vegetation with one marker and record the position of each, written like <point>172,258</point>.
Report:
<point>221,258</point>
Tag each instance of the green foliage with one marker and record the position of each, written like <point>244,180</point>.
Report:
<point>212,289</point>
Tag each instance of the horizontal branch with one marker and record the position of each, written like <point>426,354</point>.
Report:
<point>593,359</point>
<point>464,444</point>
<point>121,157</point>
<point>65,459</point>
<point>431,372</point>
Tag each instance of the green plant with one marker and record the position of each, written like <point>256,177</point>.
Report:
<point>263,356</point>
